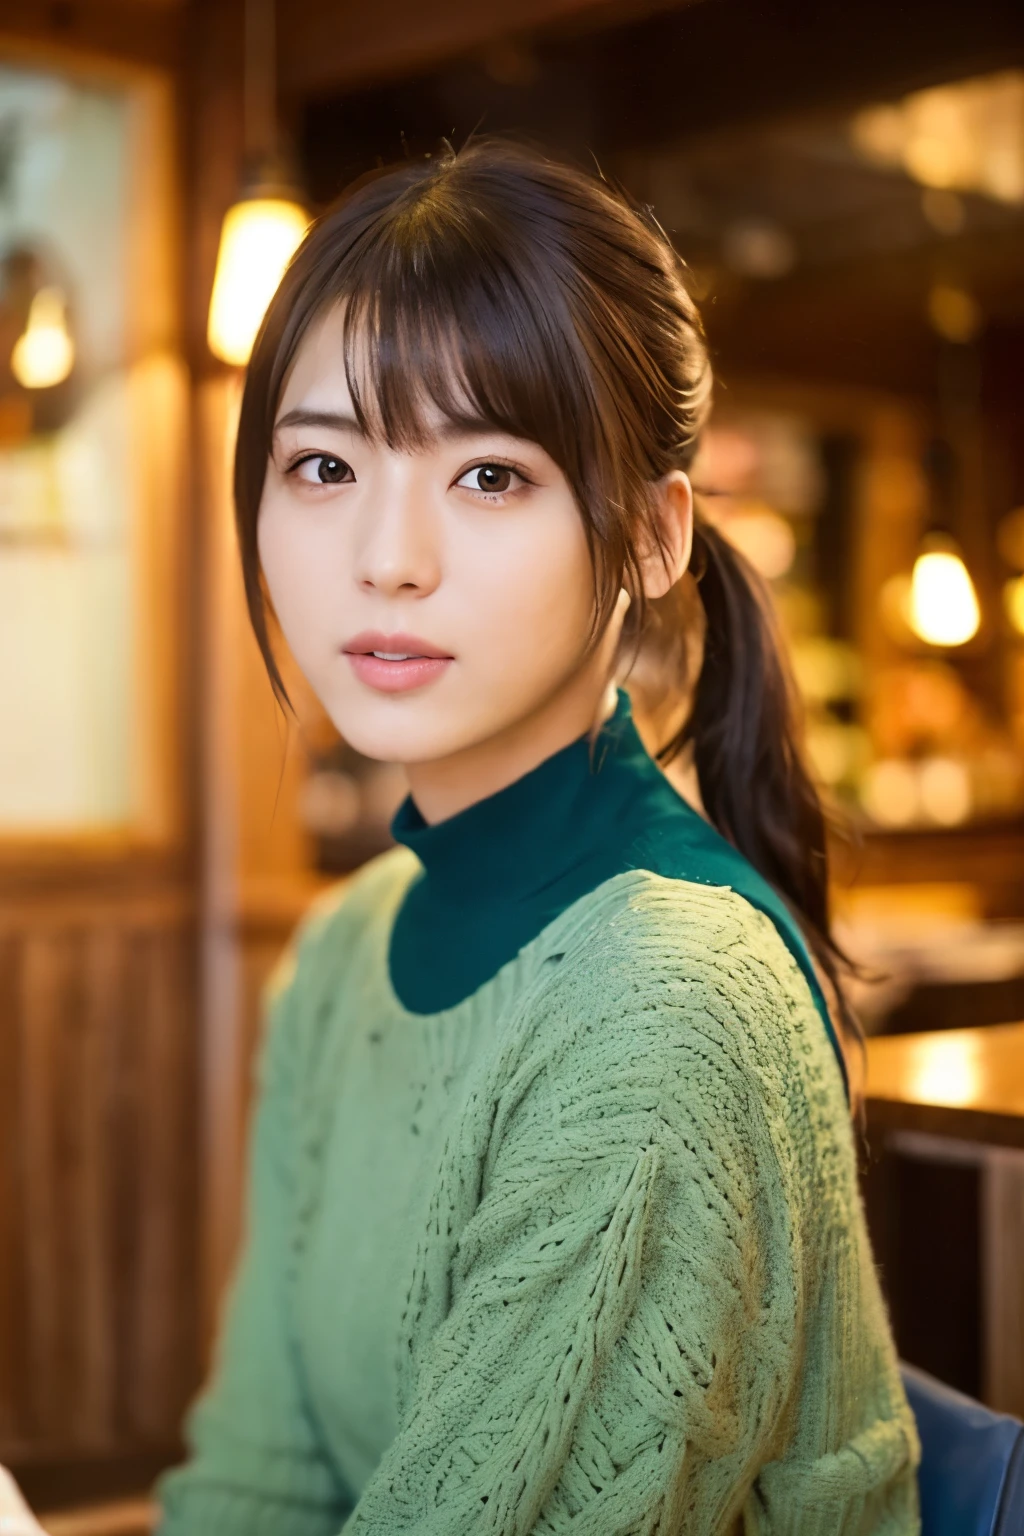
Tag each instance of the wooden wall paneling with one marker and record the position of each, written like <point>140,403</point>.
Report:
<point>14,1353</point>
<point>43,971</point>
<point>97,1330</point>
<point>84,1096</point>
<point>168,1228</point>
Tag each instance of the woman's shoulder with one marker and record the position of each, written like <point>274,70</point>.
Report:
<point>670,968</point>
<point>657,933</point>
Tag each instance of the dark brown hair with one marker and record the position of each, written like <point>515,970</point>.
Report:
<point>501,287</point>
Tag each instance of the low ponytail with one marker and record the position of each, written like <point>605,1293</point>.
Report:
<point>743,734</point>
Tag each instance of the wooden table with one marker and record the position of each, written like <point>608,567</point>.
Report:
<point>128,1517</point>
<point>962,1083</point>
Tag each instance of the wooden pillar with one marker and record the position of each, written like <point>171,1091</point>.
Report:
<point>255,862</point>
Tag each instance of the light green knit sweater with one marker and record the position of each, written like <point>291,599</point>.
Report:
<point>584,1253</point>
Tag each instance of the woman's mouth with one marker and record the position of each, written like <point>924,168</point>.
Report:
<point>395,663</point>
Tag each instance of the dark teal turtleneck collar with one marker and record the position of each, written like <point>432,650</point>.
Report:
<point>498,872</point>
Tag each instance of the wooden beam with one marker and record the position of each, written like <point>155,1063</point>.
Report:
<point>326,45</point>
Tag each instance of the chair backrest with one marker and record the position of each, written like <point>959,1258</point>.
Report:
<point>971,1477</point>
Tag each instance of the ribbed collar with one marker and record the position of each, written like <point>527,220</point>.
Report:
<point>528,834</point>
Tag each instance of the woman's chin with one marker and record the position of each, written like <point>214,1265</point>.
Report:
<point>400,729</point>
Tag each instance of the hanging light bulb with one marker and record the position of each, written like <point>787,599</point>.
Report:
<point>258,239</point>
<point>943,603</point>
<point>262,229</point>
<point>44,353</point>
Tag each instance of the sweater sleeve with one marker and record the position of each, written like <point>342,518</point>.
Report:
<point>257,1467</point>
<point>615,1341</point>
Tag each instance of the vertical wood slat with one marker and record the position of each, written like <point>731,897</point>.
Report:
<point>123,1181</point>
<point>98,1278</point>
<point>13,1357</point>
<point>41,976</point>
<point>168,1229</point>
<point>96,1421</point>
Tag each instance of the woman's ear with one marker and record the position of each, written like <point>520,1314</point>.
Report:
<point>663,565</point>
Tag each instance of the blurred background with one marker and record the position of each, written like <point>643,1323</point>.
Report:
<point>846,184</point>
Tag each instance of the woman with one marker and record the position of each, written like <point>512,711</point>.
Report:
<point>553,1218</point>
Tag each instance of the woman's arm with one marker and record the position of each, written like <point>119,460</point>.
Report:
<point>622,1345</point>
<point>257,1467</point>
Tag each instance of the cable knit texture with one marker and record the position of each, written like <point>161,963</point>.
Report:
<point>637,1293</point>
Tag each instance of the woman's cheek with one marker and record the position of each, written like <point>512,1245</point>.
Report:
<point>296,574</point>
<point>560,586</point>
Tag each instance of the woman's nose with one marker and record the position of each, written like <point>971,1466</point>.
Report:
<point>397,548</point>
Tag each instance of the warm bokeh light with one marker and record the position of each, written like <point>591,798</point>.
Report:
<point>894,608</point>
<point>890,793</point>
<point>966,136</point>
<point>1013,597</point>
<point>953,313</point>
<point>44,353</point>
<point>945,788</point>
<point>945,1070</point>
<point>1010,537</point>
<point>765,538</point>
<point>257,241</point>
<point>943,603</point>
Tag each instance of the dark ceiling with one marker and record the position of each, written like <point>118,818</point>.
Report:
<point>727,113</point>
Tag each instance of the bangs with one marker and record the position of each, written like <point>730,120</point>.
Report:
<point>446,327</point>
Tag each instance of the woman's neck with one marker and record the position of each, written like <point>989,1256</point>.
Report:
<point>445,786</point>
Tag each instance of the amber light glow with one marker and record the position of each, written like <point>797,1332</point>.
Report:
<point>44,353</point>
<point>258,239</point>
<point>945,1071</point>
<point>964,136</point>
<point>1013,596</point>
<point>943,603</point>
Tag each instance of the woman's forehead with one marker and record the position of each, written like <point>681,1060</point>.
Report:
<point>317,379</point>
<point>333,374</point>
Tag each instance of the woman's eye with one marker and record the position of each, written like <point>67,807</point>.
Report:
<point>324,469</point>
<point>493,478</point>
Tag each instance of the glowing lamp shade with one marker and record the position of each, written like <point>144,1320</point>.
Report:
<point>259,236</point>
<point>44,353</point>
<point>943,603</point>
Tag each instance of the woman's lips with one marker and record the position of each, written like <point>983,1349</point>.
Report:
<point>397,676</point>
<point>394,663</point>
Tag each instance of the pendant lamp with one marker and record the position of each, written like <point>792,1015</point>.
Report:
<point>944,609</point>
<point>44,353</point>
<point>263,228</point>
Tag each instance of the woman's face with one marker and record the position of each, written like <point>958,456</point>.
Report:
<point>434,598</point>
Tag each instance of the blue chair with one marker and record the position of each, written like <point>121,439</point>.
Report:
<point>971,1477</point>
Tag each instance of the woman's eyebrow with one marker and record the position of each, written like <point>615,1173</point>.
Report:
<point>451,429</point>
<point>455,427</point>
<point>334,420</point>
